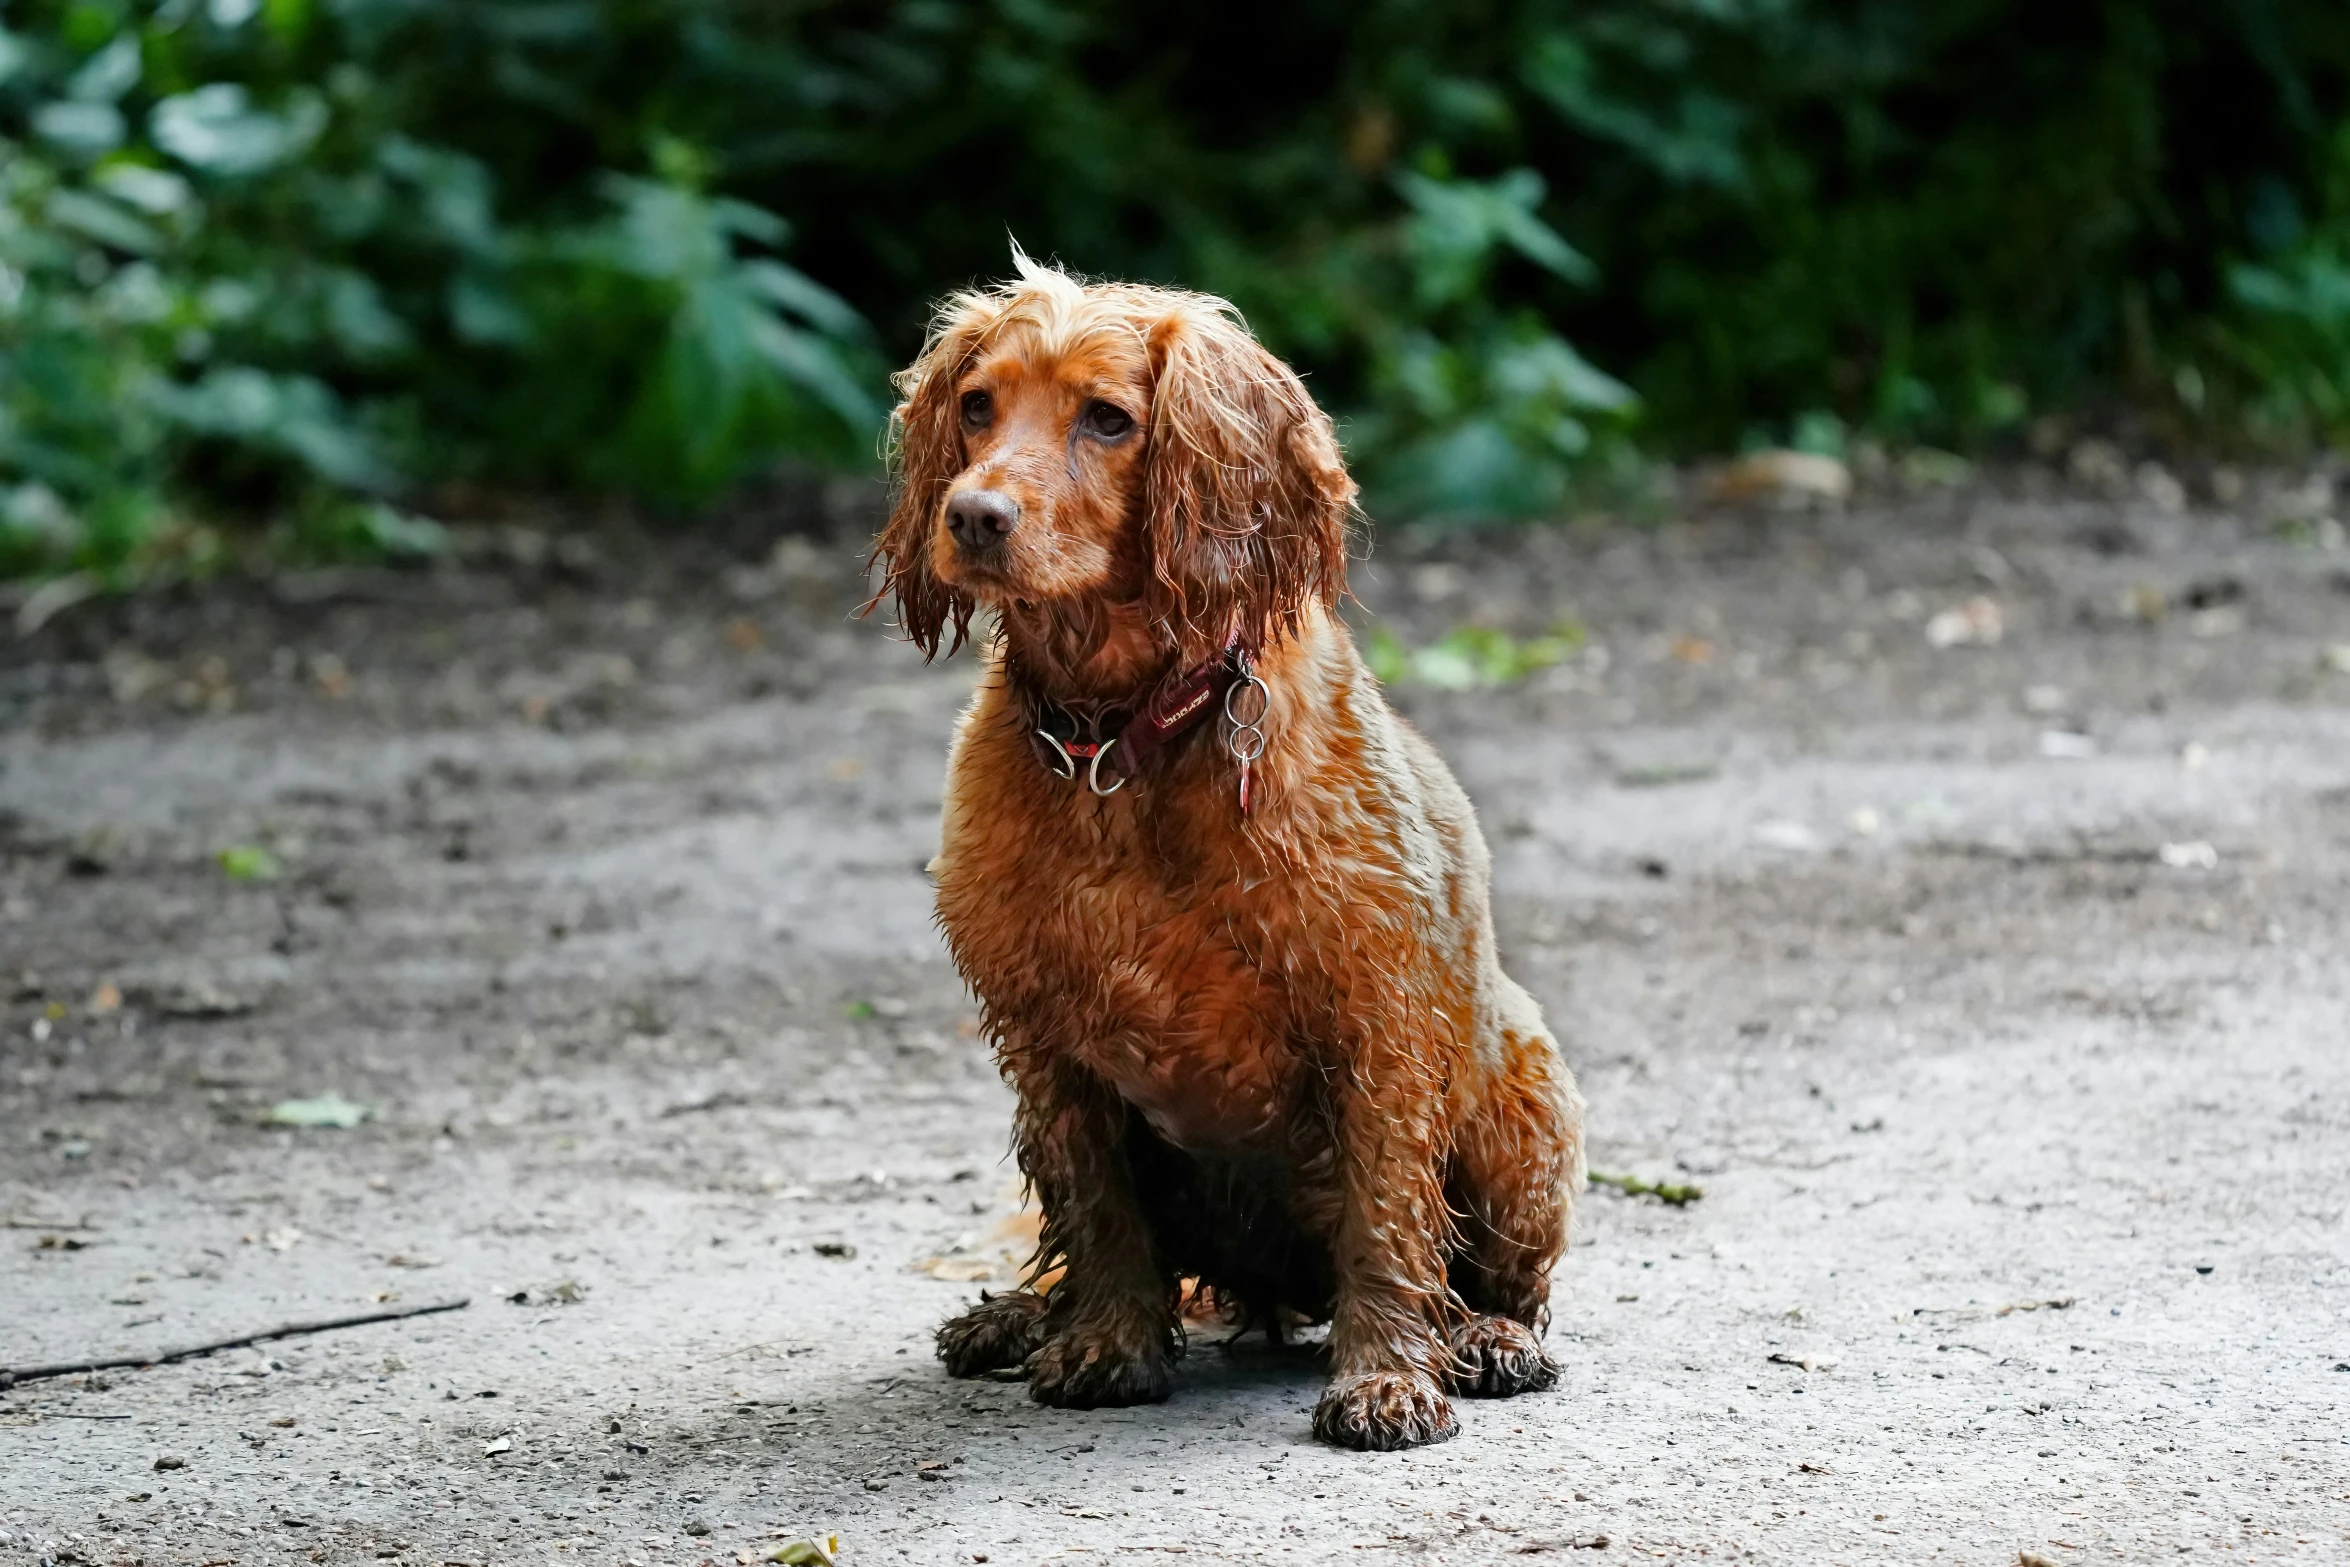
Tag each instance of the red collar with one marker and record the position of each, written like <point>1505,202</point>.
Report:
<point>1117,743</point>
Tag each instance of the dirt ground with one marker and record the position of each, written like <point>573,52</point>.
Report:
<point>1994,994</point>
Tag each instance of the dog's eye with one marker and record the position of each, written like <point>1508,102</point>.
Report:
<point>978,409</point>
<point>1108,420</point>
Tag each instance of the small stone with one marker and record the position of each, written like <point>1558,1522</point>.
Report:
<point>170,1461</point>
<point>697,1527</point>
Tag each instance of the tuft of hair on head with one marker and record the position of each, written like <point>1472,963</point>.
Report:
<point>1027,268</point>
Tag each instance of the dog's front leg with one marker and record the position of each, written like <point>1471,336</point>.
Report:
<point>1109,1326</point>
<point>1387,1337</point>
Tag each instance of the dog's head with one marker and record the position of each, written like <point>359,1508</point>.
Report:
<point>1060,446</point>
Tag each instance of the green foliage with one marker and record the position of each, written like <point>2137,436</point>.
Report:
<point>237,274</point>
<point>2283,353</point>
<point>1471,656</point>
<point>311,258</point>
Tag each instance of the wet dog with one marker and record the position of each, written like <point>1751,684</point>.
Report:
<point>1225,914</point>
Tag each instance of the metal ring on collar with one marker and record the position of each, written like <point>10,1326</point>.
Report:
<point>1068,763</point>
<point>1265,700</point>
<point>1093,774</point>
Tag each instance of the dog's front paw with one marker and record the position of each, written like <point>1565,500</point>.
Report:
<point>1380,1411</point>
<point>1494,1357</point>
<point>1002,1330</point>
<point>1082,1368</point>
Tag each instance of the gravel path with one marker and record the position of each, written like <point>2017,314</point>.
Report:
<point>1994,994</point>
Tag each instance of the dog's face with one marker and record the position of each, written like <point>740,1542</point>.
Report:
<point>1061,448</point>
<point>1047,504</point>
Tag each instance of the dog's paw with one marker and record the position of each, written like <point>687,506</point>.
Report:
<point>1082,1369</point>
<point>1002,1330</point>
<point>1494,1357</point>
<point>1380,1411</point>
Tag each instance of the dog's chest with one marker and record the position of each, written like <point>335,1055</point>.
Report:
<point>1088,941</point>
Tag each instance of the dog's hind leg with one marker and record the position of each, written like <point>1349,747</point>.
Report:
<point>1517,1163</point>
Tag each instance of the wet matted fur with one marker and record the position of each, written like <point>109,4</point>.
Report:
<point>1274,1050</point>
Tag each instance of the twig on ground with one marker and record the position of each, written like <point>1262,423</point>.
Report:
<point>1679,1196</point>
<point>10,1376</point>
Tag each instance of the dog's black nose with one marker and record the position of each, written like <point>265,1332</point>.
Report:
<point>979,519</point>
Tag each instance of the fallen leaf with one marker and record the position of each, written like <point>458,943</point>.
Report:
<point>1976,623</point>
<point>564,1292</point>
<point>957,1270</point>
<point>248,862</point>
<point>198,998</point>
<point>331,1110</point>
<point>1794,837</point>
<point>1677,1195</point>
<point>1783,478</point>
<point>805,1552</point>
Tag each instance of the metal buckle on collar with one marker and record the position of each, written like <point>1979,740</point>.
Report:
<point>1066,757</point>
<point>1093,774</point>
<point>1066,762</point>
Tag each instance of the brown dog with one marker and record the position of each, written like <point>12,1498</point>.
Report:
<point>1226,916</point>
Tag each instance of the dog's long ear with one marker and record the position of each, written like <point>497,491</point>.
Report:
<point>1246,499</point>
<point>925,453</point>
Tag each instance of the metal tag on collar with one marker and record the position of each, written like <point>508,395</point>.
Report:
<point>1247,740</point>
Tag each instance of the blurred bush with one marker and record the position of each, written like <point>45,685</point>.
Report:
<point>305,260</point>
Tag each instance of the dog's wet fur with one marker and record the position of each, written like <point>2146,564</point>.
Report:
<point>1261,1043</point>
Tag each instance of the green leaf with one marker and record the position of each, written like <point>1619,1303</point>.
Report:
<point>96,218</point>
<point>85,128</point>
<point>248,862</point>
<point>156,192</point>
<point>326,1111</point>
<point>216,129</point>
<point>296,416</point>
<point>105,76</point>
